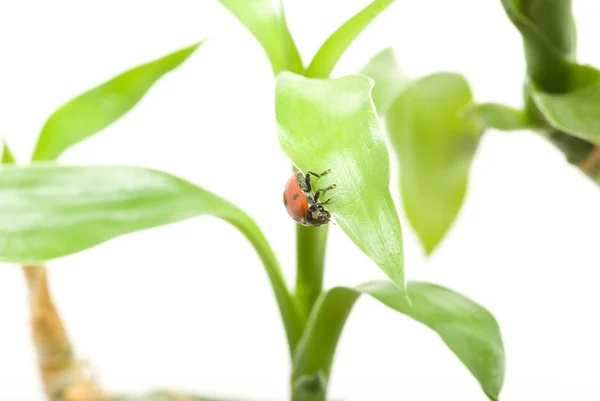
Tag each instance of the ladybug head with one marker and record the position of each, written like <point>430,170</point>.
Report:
<point>317,215</point>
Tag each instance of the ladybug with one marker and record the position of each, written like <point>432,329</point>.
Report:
<point>302,204</point>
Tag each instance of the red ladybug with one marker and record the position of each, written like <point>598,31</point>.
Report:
<point>302,204</point>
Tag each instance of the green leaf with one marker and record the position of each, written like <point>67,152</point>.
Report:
<point>575,112</point>
<point>435,147</point>
<point>334,47</point>
<point>7,156</point>
<point>389,80</point>
<point>499,116</point>
<point>331,124</point>
<point>468,329</point>
<point>101,106</point>
<point>266,21</point>
<point>51,211</point>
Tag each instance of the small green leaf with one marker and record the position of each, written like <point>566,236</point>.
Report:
<point>575,112</point>
<point>435,147</point>
<point>468,329</point>
<point>389,80</point>
<point>51,211</point>
<point>334,47</point>
<point>266,21</point>
<point>101,106</point>
<point>499,116</point>
<point>331,124</point>
<point>7,156</point>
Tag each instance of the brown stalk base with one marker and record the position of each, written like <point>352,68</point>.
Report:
<point>591,163</point>
<point>64,377</point>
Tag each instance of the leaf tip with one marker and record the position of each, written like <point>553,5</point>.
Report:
<point>492,397</point>
<point>428,238</point>
<point>430,247</point>
<point>6,154</point>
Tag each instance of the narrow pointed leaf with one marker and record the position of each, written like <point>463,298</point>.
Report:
<point>331,124</point>
<point>499,116</point>
<point>96,109</point>
<point>51,211</point>
<point>435,147</point>
<point>7,156</point>
<point>334,47</point>
<point>468,329</point>
<point>266,21</point>
<point>389,80</point>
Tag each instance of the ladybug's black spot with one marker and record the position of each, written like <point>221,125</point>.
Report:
<point>285,202</point>
<point>295,196</point>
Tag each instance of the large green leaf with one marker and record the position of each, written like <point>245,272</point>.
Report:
<point>499,116</point>
<point>51,211</point>
<point>435,146</point>
<point>101,106</point>
<point>389,80</point>
<point>468,329</point>
<point>334,47</point>
<point>266,21</point>
<point>331,124</point>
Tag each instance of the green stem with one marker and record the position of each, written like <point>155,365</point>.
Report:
<point>555,20</point>
<point>548,65</point>
<point>311,243</point>
<point>549,43</point>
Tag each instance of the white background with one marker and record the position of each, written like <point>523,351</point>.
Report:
<point>189,307</point>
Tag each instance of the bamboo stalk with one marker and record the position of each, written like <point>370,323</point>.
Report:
<point>64,377</point>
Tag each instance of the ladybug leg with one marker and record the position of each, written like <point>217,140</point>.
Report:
<point>327,201</point>
<point>318,175</point>
<point>319,191</point>
<point>309,173</point>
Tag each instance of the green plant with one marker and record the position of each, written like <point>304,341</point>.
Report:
<point>433,123</point>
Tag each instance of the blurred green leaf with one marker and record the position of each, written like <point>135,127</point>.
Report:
<point>575,112</point>
<point>468,329</point>
<point>499,116</point>
<point>389,80</point>
<point>334,47</point>
<point>101,106</point>
<point>331,124</point>
<point>7,156</point>
<point>435,147</point>
<point>51,211</point>
<point>265,19</point>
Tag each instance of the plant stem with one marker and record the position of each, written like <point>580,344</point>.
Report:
<point>311,243</point>
<point>554,18</point>
<point>62,375</point>
<point>547,58</point>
